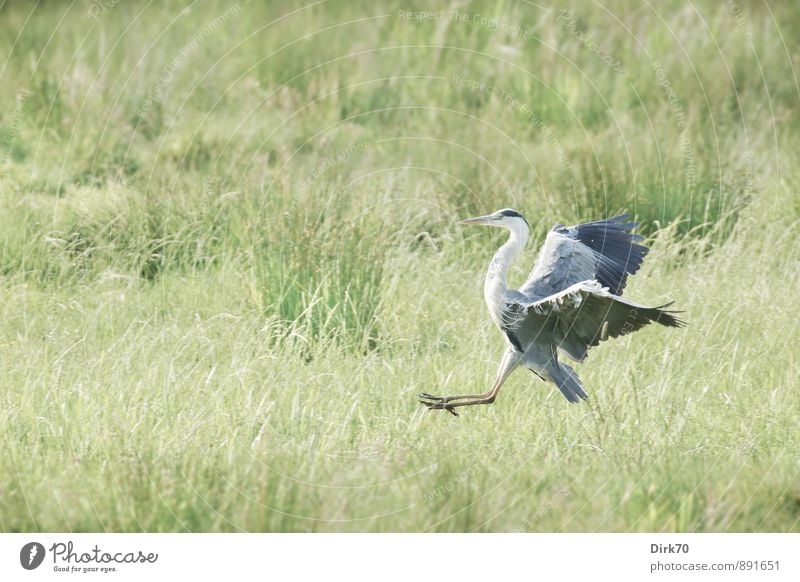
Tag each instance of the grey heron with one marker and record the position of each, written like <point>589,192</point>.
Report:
<point>570,302</point>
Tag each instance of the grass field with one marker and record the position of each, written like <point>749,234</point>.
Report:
<point>229,261</point>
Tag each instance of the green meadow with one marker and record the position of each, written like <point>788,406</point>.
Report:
<point>229,262</point>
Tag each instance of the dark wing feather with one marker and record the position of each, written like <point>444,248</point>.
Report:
<point>603,250</point>
<point>582,316</point>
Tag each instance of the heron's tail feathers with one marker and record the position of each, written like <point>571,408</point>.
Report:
<point>568,382</point>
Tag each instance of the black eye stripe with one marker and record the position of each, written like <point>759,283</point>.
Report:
<point>511,213</point>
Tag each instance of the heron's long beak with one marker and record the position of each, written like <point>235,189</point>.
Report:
<point>484,220</point>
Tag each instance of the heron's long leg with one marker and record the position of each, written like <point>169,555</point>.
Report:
<point>447,399</point>
<point>509,363</point>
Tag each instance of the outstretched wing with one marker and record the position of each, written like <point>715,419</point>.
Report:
<point>580,317</point>
<point>603,250</point>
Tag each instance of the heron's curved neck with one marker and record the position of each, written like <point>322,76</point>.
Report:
<point>495,285</point>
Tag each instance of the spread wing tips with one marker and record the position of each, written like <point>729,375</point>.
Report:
<point>615,247</point>
<point>668,317</point>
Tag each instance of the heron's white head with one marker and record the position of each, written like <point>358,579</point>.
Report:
<point>506,218</point>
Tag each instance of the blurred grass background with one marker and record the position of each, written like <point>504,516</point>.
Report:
<point>229,262</point>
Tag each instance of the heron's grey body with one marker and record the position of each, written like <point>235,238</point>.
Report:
<point>570,302</point>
